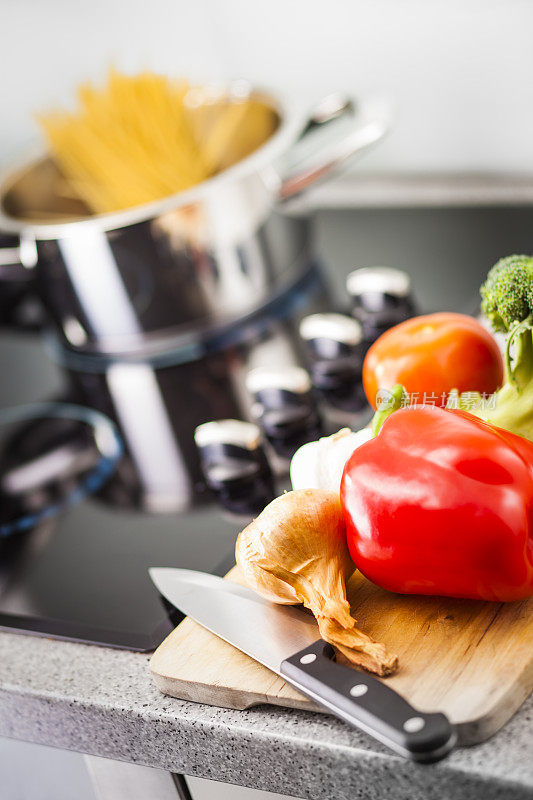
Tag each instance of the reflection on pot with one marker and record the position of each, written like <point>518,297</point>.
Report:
<point>158,401</point>
<point>107,291</point>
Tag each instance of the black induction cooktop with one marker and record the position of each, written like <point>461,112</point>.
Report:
<point>79,571</point>
<point>84,575</point>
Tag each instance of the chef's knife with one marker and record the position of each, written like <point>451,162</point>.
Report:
<point>283,638</point>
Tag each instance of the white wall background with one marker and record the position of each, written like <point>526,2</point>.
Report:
<point>459,71</point>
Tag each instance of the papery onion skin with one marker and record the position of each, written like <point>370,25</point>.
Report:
<point>298,535</point>
<point>296,552</point>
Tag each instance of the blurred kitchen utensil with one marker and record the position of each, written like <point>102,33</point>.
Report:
<point>202,257</point>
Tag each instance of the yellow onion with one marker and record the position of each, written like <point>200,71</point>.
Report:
<point>296,552</point>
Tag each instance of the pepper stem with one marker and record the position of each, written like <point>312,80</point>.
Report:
<point>387,403</point>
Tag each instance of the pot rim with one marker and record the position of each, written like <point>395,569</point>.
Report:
<point>292,121</point>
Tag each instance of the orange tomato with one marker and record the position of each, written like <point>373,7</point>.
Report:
<point>431,355</point>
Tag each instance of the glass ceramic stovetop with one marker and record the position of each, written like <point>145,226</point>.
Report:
<point>81,572</point>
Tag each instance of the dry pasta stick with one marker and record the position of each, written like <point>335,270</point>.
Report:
<point>137,139</point>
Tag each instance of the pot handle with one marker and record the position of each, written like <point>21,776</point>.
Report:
<point>338,129</point>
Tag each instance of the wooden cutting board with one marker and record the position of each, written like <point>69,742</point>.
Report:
<point>471,660</point>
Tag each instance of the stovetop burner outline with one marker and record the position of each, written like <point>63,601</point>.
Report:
<point>107,440</point>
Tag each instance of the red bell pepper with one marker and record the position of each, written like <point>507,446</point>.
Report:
<point>441,503</point>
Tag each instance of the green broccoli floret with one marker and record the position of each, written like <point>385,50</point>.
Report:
<point>508,292</point>
<point>507,301</point>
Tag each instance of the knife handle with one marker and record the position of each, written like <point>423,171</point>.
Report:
<point>369,704</point>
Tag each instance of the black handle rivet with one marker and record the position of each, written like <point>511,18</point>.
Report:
<point>308,658</point>
<point>358,690</point>
<point>414,724</point>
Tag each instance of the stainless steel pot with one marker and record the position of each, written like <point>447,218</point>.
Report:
<point>120,283</point>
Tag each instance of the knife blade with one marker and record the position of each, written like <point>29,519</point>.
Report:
<point>284,639</point>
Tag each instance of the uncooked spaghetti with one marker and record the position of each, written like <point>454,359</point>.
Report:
<point>144,137</point>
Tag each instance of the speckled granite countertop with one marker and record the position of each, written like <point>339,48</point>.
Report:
<point>102,701</point>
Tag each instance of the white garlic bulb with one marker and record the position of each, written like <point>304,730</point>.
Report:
<point>319,465</point>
